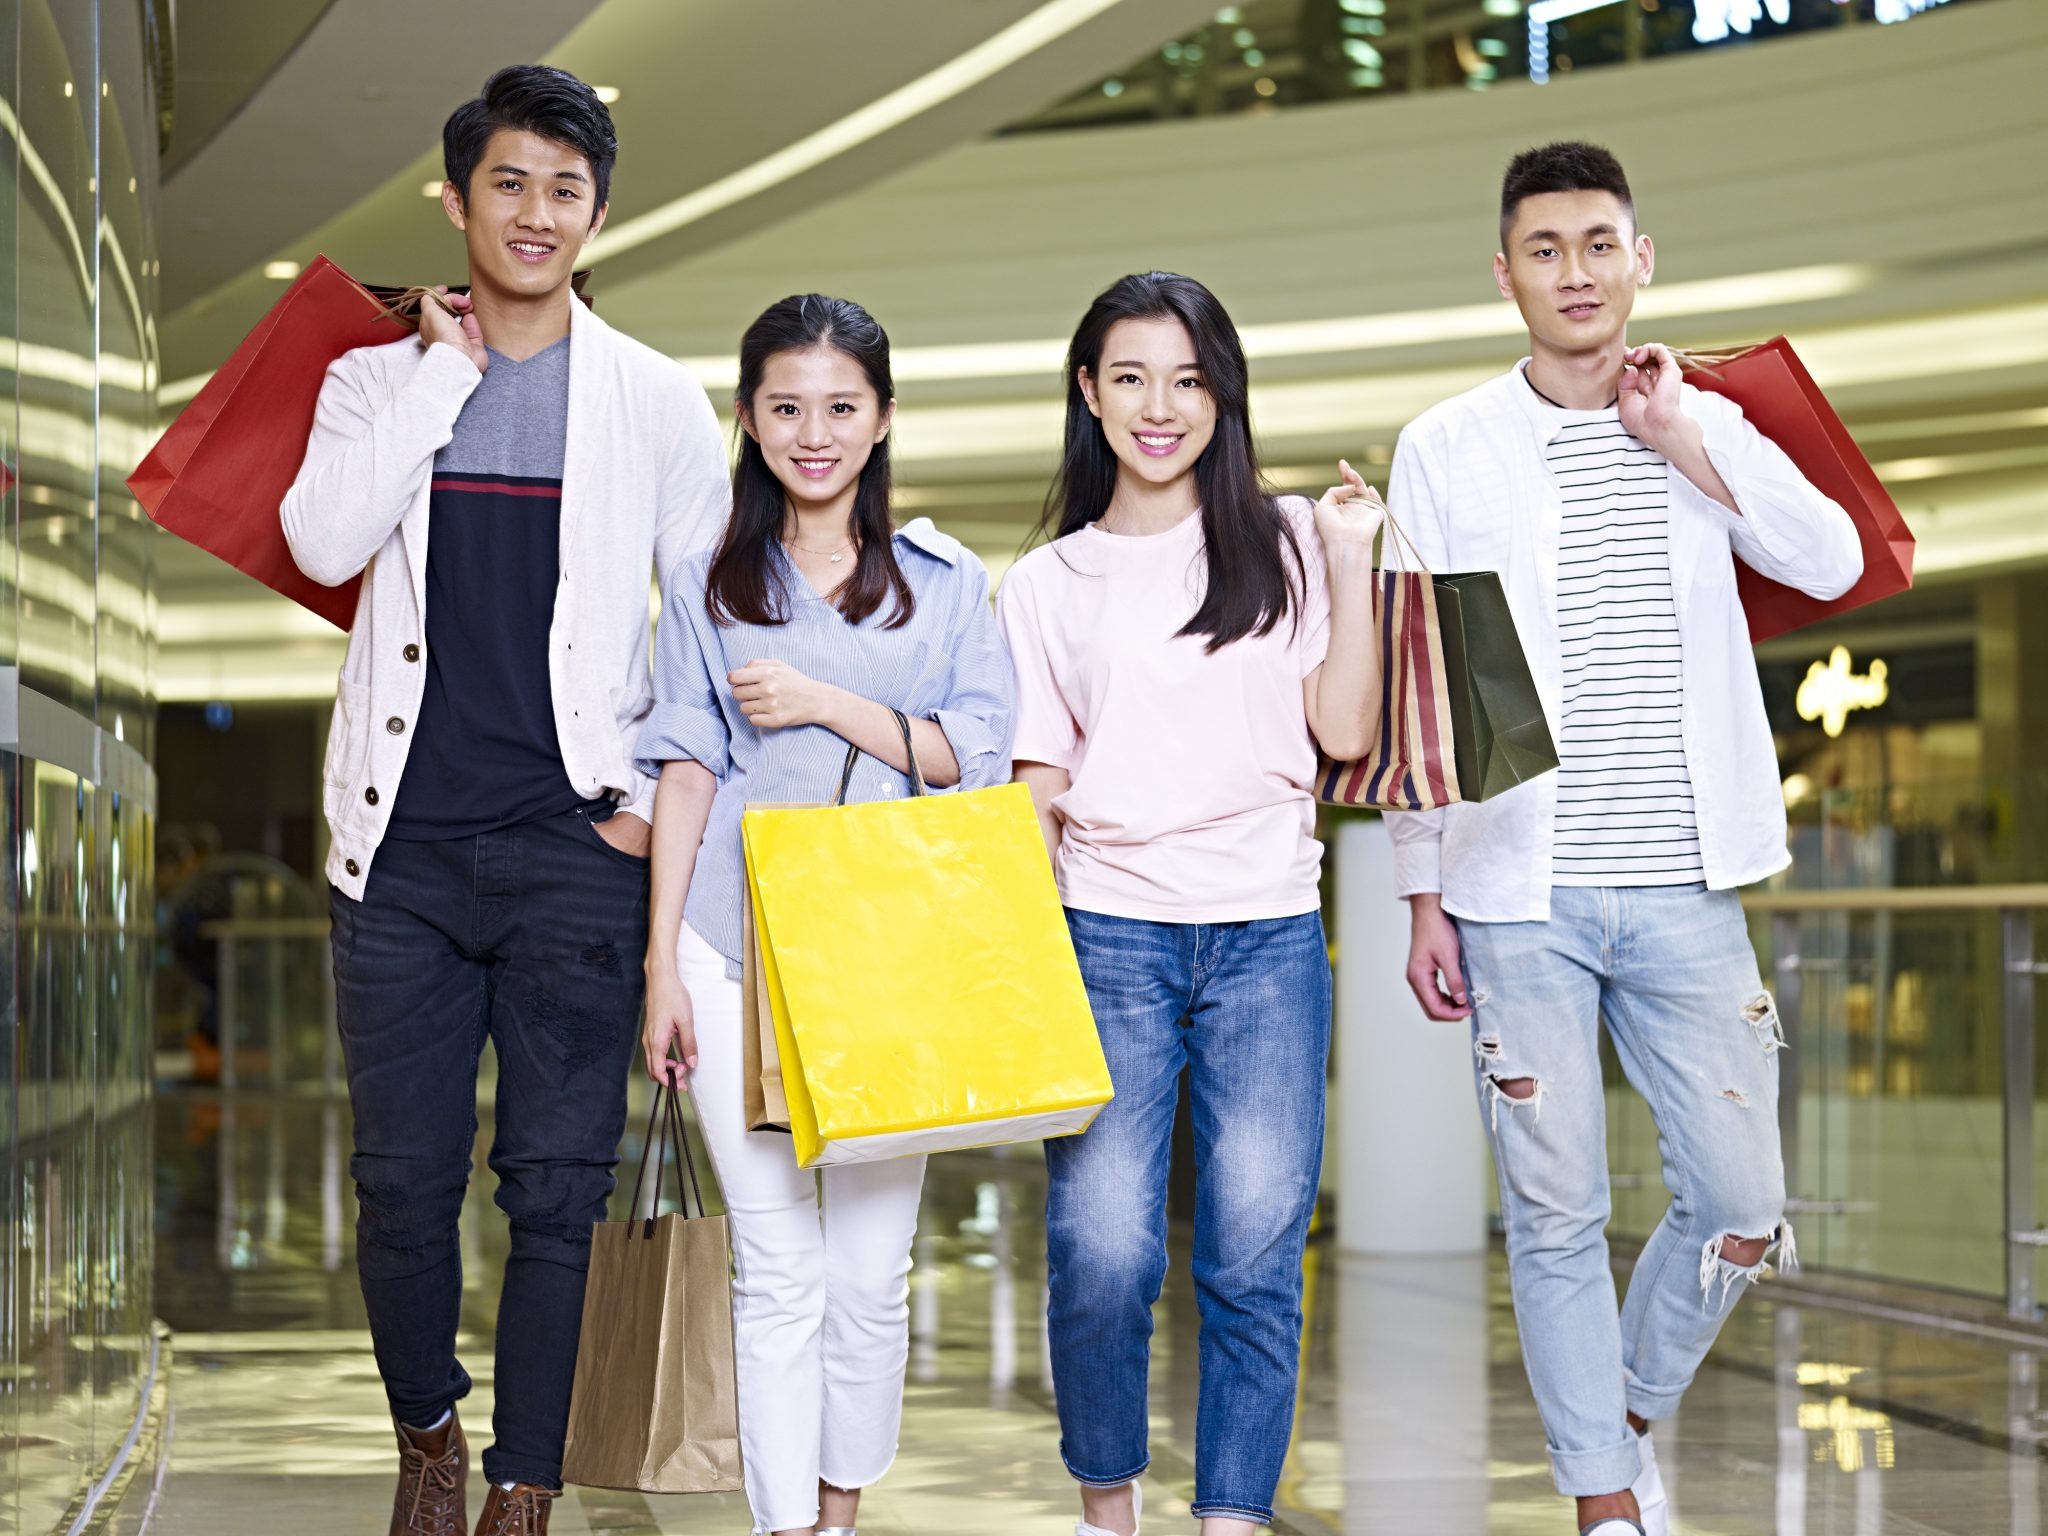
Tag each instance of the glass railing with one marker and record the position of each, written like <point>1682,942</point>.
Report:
<point>1928,830</point>
<point>1272,54</point>
<point>1911,1093</point>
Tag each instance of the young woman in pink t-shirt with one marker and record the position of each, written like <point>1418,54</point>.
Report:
<point>1183,646</point>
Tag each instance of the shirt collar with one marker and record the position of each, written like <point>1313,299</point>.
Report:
<point>923,533</point>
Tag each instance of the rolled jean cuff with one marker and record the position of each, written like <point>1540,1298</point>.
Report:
<point>1092,1481</point>
<point>1258,1514</point>
<point>1587,1474</point>
<point>1650,1403</point>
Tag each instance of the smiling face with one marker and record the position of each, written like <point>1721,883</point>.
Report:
<point>1572,264</point>
<point>1149,394</point>
<point>817,419</point>
<point>532,206</point>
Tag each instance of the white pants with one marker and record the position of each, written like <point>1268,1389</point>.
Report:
<point>821,1289</point>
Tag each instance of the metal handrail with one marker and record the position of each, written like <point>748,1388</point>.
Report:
<point>264,928</point>
<point>2025,1235</point>
<point>1905,898</point>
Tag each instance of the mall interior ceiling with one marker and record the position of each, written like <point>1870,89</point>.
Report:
<point>1876,192</point>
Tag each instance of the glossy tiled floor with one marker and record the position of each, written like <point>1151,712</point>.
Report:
<point>1415,1417</point>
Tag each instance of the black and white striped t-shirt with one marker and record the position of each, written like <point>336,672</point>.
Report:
<point>1624,797</point>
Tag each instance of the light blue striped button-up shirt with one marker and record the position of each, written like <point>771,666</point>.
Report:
<point>947,664</point>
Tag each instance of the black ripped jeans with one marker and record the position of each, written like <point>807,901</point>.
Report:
<point>532,937</point>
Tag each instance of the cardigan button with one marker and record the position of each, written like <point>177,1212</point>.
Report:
<point>412,653</point>
<point>352,867</point>
<point>395,726</point>
<point>370,794</point>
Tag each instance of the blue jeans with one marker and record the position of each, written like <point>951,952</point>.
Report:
<point>531,937</point>
<point>1671,971</point>
<point>1246,1008</point>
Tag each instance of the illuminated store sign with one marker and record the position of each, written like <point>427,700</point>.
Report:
<point>1903,10</point>
<point>1713,20</point>
<point>1831,690</point>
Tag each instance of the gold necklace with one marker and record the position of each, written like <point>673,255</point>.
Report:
<point>834,557</point>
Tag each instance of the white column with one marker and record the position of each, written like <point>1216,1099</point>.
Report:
<point>1412,1168</point>
<point>1412,1393</point>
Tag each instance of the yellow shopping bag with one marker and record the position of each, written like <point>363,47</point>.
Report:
<point>924,989</point>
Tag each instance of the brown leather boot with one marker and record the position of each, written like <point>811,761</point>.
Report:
<point>521,1510</point>
<point>433,1471</point>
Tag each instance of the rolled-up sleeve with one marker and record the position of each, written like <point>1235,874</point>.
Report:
<point>686,720</point>
<point>980,708</point>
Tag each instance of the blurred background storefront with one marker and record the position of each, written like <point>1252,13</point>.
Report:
<point>1867,177</point>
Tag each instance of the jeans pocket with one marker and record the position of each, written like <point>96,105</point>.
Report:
<point>587,829</point>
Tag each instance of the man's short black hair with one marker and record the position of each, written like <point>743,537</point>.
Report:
<point>533,98</point>
<point>1567,166</point>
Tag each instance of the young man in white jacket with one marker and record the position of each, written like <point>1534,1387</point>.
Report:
<point>506,483</point>
<point>1614,499</point>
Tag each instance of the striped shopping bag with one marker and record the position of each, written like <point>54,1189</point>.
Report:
<point>1415,767</point>
<point>1460,718</point>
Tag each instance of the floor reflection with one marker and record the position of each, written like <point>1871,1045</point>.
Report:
<point>1414,1413</point>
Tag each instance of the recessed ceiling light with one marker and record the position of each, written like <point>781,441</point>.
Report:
<point>281,271</point>
<point>607,93</point>
<point>432,188</point>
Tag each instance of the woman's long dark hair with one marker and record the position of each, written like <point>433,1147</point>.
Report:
<point>749,582</point>
<point>1249,544</point>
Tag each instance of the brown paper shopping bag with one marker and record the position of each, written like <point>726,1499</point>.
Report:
<point>761,1062</point>
<point>760,1058</point>
<point>655,1405</point>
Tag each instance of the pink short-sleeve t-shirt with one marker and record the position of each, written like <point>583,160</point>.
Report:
<point>1193,772</point>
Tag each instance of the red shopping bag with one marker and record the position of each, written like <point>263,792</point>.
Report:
<point>217,477</point>
<point>1783,403</point>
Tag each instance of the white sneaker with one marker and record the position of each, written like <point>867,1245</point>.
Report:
<point>1648,1488</point>
<point>1616,1526</point>
<point>1083,1528</point>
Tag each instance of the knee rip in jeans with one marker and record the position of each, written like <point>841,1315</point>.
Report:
<point>384,1216</point>
<point>1714,1266</point>
<point>1760,1013</point>
<point>1515,1092</point>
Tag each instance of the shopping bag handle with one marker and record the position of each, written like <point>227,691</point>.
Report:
<point>1398,542</point>
<point>917,784</point>
<point>667,1114</point>
<point>1708,360</point>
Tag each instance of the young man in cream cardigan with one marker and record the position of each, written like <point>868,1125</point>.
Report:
<point>1614,499</point>
<point>506,483</point>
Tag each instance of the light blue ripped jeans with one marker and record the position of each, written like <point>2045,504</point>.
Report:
<point>1671,971</point>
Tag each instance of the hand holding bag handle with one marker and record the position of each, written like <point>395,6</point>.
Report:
<point>917,784</point>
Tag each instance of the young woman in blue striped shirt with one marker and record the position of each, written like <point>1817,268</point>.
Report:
<point>813,619</point>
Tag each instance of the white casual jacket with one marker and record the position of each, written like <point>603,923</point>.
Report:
<point>644,480</point>
<point>1471,489</point>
